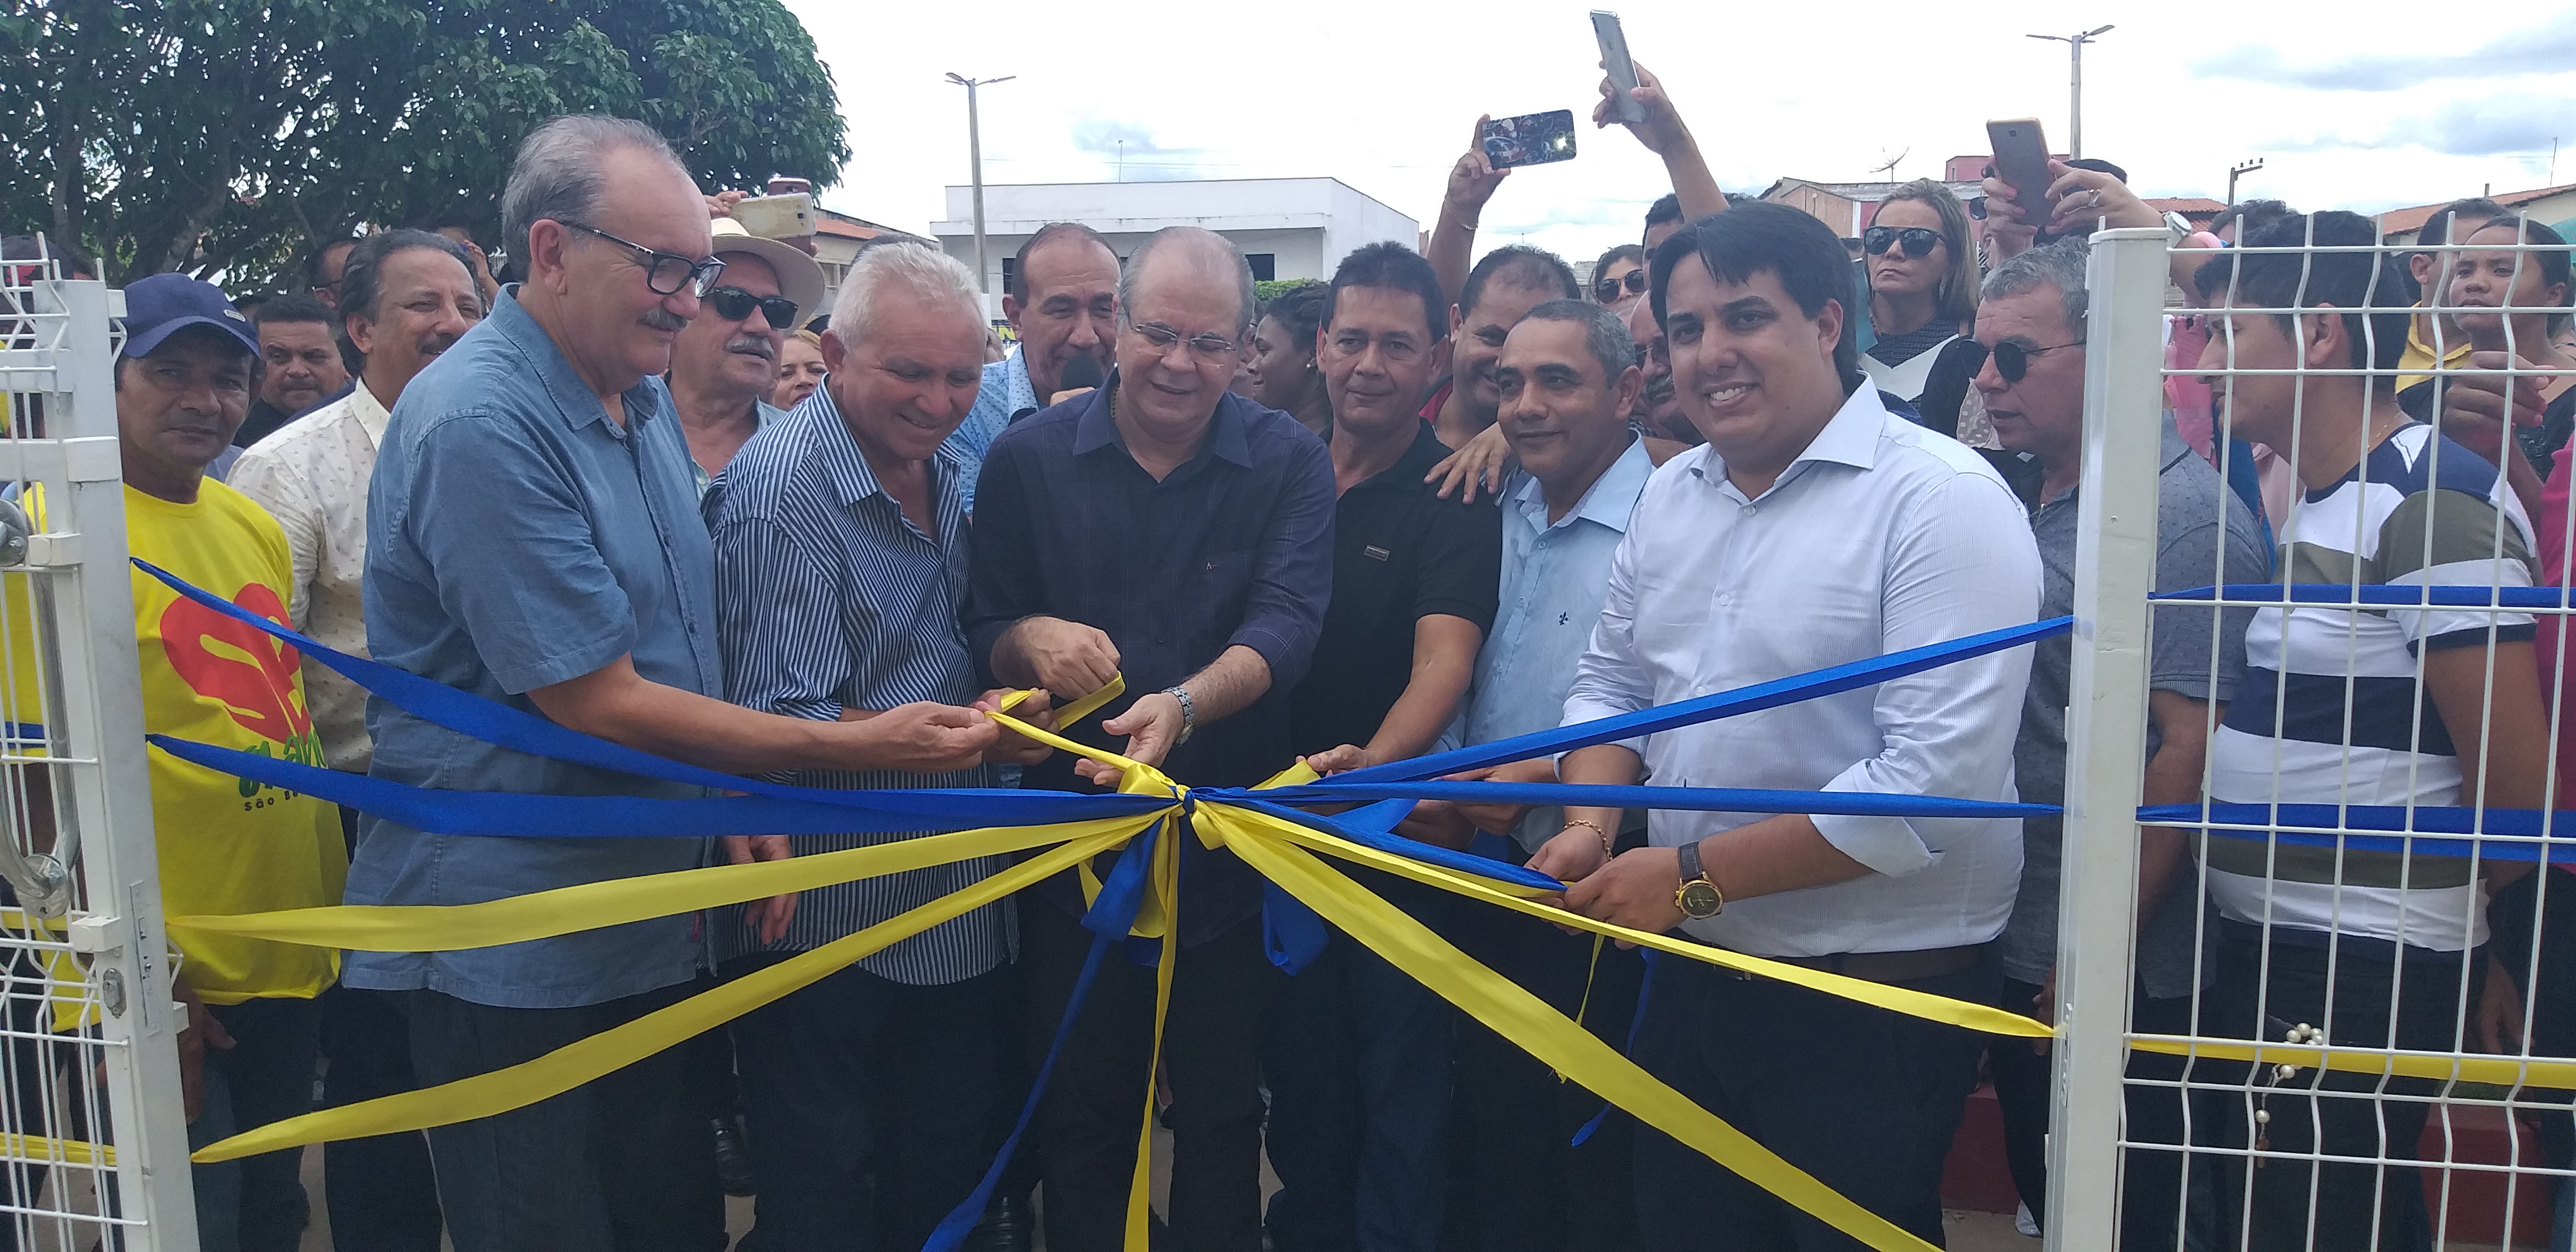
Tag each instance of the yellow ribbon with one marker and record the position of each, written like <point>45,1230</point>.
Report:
<point>567,1067</point>
<point>39,1150</point>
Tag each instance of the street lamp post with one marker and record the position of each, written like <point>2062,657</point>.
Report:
<point>975,152</point>
<point>2075,85</point>
<point>2235,172</point>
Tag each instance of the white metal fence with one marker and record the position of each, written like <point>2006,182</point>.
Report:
<point>93,1139</point>
<point>2373,931</point>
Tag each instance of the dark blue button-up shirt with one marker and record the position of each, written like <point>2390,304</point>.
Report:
<point>516,538</point>
<point>1234,547</point>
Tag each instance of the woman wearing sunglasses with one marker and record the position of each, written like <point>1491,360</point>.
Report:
<point>1922,301</point>
<point>1619,277</point>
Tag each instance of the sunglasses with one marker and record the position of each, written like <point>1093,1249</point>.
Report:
<point>1608,289</point>
<point>2011,359</point>
<point>1918,240</point>
<point>733,304</point>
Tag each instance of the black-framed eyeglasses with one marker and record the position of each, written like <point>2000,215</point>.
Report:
<point>2013,360</point>
<point>733,304</point>
<point>665,273</point>
<point>1918,240</point>
<point>1208,348</point>
<point>1608,289</point>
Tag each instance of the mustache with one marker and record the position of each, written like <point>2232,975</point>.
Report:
<point>436,342</point>
<point>664,319</point>
<point>750,343</point>
<point>1659,390</point>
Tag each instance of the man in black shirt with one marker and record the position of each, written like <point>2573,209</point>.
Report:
<point>1166,529</point>
<point>1359,1064</point>
<point>299,364</point>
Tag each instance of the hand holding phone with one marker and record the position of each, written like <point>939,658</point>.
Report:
<point>1622,71</point>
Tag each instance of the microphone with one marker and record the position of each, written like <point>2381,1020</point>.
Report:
<point>1079,373</point>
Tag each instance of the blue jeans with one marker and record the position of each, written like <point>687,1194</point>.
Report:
<point>1358,1066</point>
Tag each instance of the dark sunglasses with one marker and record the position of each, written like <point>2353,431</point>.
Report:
<point>734,304</point>
<point>2011,359</point>
<point>1607,289</point>
<point>1918,240</point>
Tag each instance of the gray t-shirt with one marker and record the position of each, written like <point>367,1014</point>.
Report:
<point>2187,551</point>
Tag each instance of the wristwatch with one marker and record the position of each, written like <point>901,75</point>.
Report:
<point>1189,713</point>
<point>1697,897</point>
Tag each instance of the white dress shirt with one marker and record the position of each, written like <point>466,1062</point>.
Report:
<point>312,477</point>
<point>1881,536</point>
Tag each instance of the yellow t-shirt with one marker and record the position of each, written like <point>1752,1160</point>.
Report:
<point>2417,364</point>
<point>229,845</point>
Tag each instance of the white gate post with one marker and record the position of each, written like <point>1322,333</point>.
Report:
<point>2115,568</point>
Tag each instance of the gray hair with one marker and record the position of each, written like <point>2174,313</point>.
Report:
<point>1605,334</point>
<point>1198,239</point>
<point>913,268</point>
<point>557,172</point>
<point>2060,265</point>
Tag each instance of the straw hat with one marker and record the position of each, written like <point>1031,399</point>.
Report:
<point>799,278</point>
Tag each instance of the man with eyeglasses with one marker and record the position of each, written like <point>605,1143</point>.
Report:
<point>533,538</point>
<point>725,364</point>
<point>2031,329</point>
<point>1171,531</point>
<point>1062,299</point>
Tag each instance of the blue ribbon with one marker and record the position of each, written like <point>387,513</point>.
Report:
<point>2437,830</point>
<point>1112,915</point>
<point>1636,1020</point>
<point>1707,708</point>
<point>1705,799</point>
<point>521,814</point>
<point>2377,595</point>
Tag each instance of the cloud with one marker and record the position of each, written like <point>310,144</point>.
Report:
<point>2503,124</point>
<point>1143,156</point>
<point>2547,49</point>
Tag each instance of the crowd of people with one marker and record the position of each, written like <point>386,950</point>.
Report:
<point>653,491</point>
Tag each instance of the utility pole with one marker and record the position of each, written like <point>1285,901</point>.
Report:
<point>2235,172</point>
<point>975,152</point>
<point>2075,85</point>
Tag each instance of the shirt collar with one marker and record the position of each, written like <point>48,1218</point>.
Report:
<point>572,397</point>
<point>1227,434</point>
<point>1851,438</point>
<point>846,468</point>
<point>1609,501</point>
<point>369,410</point>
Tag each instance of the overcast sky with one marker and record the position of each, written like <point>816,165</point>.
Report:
<point>2364,106</point>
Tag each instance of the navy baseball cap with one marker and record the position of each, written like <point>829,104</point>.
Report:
<point>164,304</point>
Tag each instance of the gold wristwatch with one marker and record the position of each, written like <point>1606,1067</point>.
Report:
<point>1697,897</point>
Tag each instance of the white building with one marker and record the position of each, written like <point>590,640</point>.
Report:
<point>1287,227</point>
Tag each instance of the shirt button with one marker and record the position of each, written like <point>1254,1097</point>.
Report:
<point>1748,510</point>
<point>1726,599</point>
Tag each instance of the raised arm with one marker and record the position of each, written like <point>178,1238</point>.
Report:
<point>1462,207</point>
<point>1666,136</point>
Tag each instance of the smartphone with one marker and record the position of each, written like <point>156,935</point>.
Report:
<point>1614,60</point>
<point>776,217</point>
<point>1530,139</point>
<point>2021,159</point>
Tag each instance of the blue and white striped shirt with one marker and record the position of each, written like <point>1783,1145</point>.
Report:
<point>828,598</point>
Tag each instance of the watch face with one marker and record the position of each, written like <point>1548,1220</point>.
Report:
<point>1699,900</point>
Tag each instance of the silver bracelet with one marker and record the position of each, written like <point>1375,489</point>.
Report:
<point>1189,713</point>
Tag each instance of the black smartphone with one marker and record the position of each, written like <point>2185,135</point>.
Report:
<point>1615,63</point>
<point>2021,159</point>
<point>1530,139</point>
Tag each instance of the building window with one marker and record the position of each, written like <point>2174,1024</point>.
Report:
<point>1010,266</point>
<point>1265,265</point>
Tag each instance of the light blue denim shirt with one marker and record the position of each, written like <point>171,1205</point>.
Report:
<point>1005,391</point>
<point>1554,578</point>
<point>516,538</point>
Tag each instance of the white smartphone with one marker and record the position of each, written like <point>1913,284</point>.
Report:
<point>776,217</point>
<point>1614,60</point>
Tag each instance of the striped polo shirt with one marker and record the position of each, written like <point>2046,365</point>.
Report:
<point>2331,710</point>
<point>828,598</point>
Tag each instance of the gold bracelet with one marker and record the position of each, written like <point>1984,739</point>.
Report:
<point>1596,829</point>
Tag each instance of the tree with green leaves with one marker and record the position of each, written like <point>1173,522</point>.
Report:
<point>235,135</point>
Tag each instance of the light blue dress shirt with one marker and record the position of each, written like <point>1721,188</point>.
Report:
<point>1554,579</point>
<point>516,538</point>
<point>1005,391</point>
